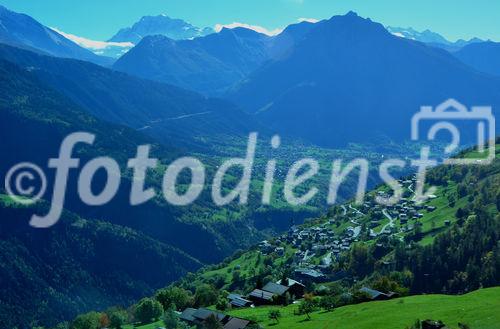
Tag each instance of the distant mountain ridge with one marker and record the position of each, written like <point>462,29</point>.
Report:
<point>172,28</point>
<point>209,64</point>
<point>431,38</point>
<point>483,56</point>
<point>23,31</point>
<point>426,36</point>
<point>349,80</point>
<point>170,114</point>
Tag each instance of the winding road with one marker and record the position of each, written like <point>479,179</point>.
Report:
<point>344,209</point>
<point>391,221</point>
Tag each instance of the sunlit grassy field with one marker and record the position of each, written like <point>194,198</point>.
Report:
<point>479,310</point>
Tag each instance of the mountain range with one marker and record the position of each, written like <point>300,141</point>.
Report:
<point>317,66</point>
<point>23,31</point>
<point>349,75</point>
<point>426,36</point>
<point>172,28</point>
<point>209,65</point>
<point>170,114</point>
<point>127,38</point>
<point>431,38</point>
<point>483,56</point>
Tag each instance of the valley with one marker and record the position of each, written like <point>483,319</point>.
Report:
<point>322,97</point>
<point>335,258</point>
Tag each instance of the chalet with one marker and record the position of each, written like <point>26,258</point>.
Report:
<point>295,288</point>
<point>188,315</point>
<point>274,293</point>
<point>198,317</point>
<point>203,314</point>
<point>276,289</point>
<point>377,295</point>
<point>236,323</point>
<point>238,301</point>
<point>260,297</point>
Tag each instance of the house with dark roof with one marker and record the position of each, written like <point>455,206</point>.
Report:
<point>204,314</point>
<point>276,293</point>
<point>276,289</point>
<point>260,297</point>
<point>374,294</point>
<point>238,301</point>
<point>198,317</point>
<point>378,295</point>
<point>295,288</point>
<point>236,323</point>
<point>187,315</point>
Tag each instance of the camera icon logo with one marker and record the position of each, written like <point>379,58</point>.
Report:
<point>452,111</point>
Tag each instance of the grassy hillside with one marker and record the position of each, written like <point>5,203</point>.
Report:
<point>463,194</point>
<point>477,309</point>
<point>457,188</point>
<point>455,249</point>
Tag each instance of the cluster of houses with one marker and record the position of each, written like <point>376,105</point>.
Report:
<point>200,317</point>
<point>272,293</point>
<point>312,242</point>
<point>322,241</point>
<point>404,210</point>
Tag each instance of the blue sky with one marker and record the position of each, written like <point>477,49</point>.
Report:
<point>100,19</point>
